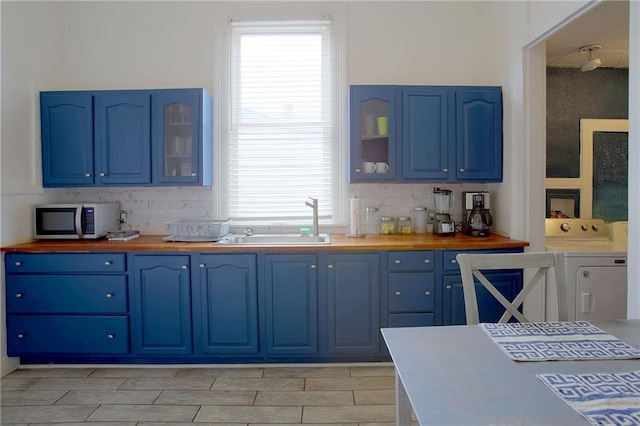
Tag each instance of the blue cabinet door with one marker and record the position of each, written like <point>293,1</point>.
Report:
<point>490,310</point>
<point>291,283</point>
<point>161,304</point>
<point>182,137</point>
<point>369,142</point>
<point>123,137</point>
<point>353,304</point>
<point>67,139</point>
<point>228,304</point>
<point>479,134</point>
<point>425,133</point>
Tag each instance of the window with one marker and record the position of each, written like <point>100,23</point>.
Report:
<point>282,139</point>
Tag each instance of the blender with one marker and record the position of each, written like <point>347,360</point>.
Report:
<point>443,225</point>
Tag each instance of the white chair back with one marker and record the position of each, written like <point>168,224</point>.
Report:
<point>471,266</point>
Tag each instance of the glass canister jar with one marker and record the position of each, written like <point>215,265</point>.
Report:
<point>371,221</point>
<point>420,220</point>
<point>404,225</point>
<point>387,225</point>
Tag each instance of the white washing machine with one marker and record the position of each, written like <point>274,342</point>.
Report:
<point>595,266</point>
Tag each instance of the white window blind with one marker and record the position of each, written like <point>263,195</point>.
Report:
<point>280,142</point>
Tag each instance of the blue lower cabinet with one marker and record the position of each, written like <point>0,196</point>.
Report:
<point>161,306</point>
<point>227,310</point>
<point>291,284</point>
<point>508,283</point>
<point>67,334</point>
<point>353,287</point>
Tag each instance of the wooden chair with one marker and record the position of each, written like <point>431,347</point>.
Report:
<point>472,264</point>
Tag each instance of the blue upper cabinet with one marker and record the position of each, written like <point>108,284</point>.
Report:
<point>123,138</point>
<point>479,134</point>
<point>436,133</point>
<point>182,147</point>
<point>126,138</point>
<point>374,133</point>
<point>67,139</point>
<point>425,133</point>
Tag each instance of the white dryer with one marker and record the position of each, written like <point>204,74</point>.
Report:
<point>595,266</point>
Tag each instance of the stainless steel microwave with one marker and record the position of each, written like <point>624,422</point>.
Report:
<point>75,221</point>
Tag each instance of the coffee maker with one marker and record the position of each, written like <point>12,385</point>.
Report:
<point>478,219</point>
<point>443,225</point>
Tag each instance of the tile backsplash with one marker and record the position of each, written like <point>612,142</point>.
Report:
<point>148,208</point>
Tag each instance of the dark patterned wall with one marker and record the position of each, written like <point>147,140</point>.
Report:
<point>572,95</point>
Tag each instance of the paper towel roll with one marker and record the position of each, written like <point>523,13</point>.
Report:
<point>355,216</point>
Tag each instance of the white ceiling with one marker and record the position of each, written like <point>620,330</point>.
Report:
<point>607,25</point>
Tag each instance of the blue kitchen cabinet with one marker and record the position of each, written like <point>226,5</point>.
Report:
<point>369,142</point>
<point>67,139</point>
<point>126,138</point>
<point>426,133</point>
<point>478,134</point>
<point>411,292</point>
<point>440,133</point>
<point>67,304</point>
<point>509,283</point>
<point>291,294</point>
<point>161,304</point>
<point>123,138</point>
<point>182,135</point>
<point>226,305</point>
<point>353,304</point>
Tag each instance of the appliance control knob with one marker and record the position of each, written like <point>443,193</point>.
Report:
<point>595,227</point>
<point>585,227</point>
<point>565,227</point>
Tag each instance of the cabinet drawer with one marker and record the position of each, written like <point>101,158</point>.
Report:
<point>411,320</point>
<point>65,262</point>
<point>411,261</point>
<point>412,292</point>
<point>64,334</point>
<point>66,294</point>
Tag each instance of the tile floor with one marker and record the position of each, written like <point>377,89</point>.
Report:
<point>335,394</point>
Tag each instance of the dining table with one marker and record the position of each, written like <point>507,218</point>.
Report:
<point>457,375</point>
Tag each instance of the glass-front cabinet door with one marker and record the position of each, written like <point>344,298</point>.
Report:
<point>178,149</point>
<point>374,118</point>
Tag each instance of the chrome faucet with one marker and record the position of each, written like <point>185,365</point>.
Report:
<point>314,205</point>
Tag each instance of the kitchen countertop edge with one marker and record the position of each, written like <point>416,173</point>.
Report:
<point>339,242</point>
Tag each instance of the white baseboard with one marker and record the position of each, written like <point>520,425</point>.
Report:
<point>8,365</point>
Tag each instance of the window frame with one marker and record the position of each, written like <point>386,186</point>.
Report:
<point>280,12</point>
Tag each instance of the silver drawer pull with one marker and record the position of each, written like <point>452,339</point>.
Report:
<point>398,293</point>
<point>109,295</point>
<point>427,293</point>
<point>20,336</point>
<point>397,261</point>
<point>193,175</point>
<point>448,287</point>
<point>108,263</point>
<point>313,266</point>
<point>427,261</point>
<point>462,170</point>
<point>454,261</point>
<point>103,174</point>
<point>202,265</point>
<point>18,263</point>
<point>18,295</point>
<point>445,170</point>
<point>111,336</point>
<point>330,266</point>
<point>87,175</point>
<point>184,266</point>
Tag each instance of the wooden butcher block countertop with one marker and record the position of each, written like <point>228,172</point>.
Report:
<point>339,242</point>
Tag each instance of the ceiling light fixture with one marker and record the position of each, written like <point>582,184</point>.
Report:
<point>591,64</point>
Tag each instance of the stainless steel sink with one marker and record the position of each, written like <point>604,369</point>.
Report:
<point>278,239</point>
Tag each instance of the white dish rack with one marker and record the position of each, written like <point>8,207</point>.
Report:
<point>197,230</point>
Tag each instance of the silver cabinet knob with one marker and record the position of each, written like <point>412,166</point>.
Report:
<point>313,266</point>
<point>462,170</point>
<point>111,336</point>
<point>18,295</point>
<point>454,261</point>
<point>357,170</point>
<point>445,170</point>
<point>330,266</point>
<point>427,261</point>
<point>103,174</point>
<point>398,293</point>
<point>184,267</point>
<point>397,261</point>
<point>20,336</point>
<point>18,263</point>
<point>427,293</point>
<point>108,263</point>
<point>194,174</point>
<point>109,295</point>
<point>202,265</point>
<point>448,287</point>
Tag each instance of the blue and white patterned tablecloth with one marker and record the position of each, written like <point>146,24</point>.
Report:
<point>601,398</point>
<point>552,341</point>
